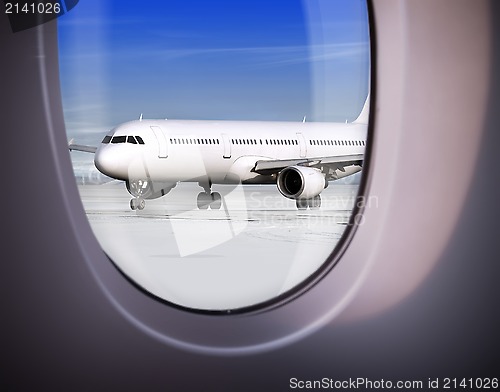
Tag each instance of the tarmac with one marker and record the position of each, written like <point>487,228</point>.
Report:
<point>257,246</point>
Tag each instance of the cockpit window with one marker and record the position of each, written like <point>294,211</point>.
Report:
<point>139,139</point>
<point>131,139</point>
<point>106,139</point>
<point>118,139</point>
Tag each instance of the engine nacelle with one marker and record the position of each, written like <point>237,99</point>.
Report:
<point>299,182</point>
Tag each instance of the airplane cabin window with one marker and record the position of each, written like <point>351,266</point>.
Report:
<point>240,223</point>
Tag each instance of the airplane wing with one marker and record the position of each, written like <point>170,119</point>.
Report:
<point>80,147</point>
<point>267,167</point>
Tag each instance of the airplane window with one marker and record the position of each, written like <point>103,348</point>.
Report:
<point>217,229</point>
<point>118,139</point>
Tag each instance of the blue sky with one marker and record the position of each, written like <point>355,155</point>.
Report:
<point>190,59</point>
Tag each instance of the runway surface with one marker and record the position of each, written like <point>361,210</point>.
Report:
<point>257,246</point>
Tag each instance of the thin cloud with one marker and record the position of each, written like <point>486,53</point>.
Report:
<point>264,56</point>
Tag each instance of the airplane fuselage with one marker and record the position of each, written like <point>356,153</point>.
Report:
<point>221,152</point>
<point>152,156</point>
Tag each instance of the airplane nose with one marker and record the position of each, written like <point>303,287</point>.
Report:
<point>107,163</point>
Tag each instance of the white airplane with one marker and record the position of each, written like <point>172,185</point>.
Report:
<point>152,156</point>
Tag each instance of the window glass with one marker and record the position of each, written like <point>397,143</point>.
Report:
<point>216,238</point>
<point>118,139</point>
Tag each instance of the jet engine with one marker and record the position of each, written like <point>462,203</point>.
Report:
<point>299,182</point>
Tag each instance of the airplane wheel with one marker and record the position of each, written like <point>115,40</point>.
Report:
<point>301,204</point>
<point>204,200</point>
<point>216,201</point>
<point>315,202</point>
<point>137,204</point>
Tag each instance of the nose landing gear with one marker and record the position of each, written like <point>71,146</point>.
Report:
<point>137,203</point>
<point>139,189</point>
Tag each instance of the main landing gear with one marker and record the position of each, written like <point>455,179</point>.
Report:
<point>313,203</point>
<point>208,198</point>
